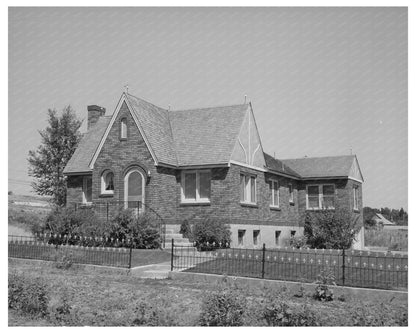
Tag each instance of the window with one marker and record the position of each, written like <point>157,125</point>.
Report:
<point>87,190</point>
<point>123,128</point>
<point>320,197</point>
<point>247,188</point>
<point>196,186</point>
<point>292,233</point>
<point>241,234</point>
<point>256,236</point>
<point>274,193</point>
<point>291,197</point>
<point>107,182</point>
<point>355,194</point>
<point>277,237</point>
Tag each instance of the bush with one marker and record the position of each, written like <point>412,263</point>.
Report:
<point>68,221</point>
<point>298,242</point>
<point>27,295</point>
<point>142,230</point>
<point>278,312</point>
<point>186,230</point>
<point>64,314</point>
<point>328,229</point>
<point>223,307</point>
<point>325,279</point>
<point>210,234</point>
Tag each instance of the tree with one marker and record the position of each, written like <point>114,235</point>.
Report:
<point>46,164</point>
<point>329,229</point>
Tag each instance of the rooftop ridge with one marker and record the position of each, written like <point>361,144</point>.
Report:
<point>310,157</point>
<point>209,107</point>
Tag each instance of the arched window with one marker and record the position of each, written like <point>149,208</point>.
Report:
<point>107,182</point>
<point>123,128</point>
<point>134,184</point>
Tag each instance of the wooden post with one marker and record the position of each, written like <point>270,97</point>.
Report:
<point>171,255</point>
<point>263,261</point>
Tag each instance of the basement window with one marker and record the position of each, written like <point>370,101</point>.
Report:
<point>241,234</point>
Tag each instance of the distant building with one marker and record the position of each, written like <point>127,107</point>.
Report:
<point>381,221</point>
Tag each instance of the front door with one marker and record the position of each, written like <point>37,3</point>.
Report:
<point>134,190</point>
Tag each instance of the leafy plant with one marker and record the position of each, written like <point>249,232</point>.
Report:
<point>186,230</point>
<point>298,242</point>
<point>326,278</point>
<point>328,229</point>
<point>28,296</point>
<point>278,312</point>
<point>223,307</point>
<point>210,234</point>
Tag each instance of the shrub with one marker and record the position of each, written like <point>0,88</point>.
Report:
<point>64,314</point>
<point>186,230</point>
<point>68,221</point>
<point>323,292</point>
<point>211,234</point>
<point>142,230</point>
<point>278,312</point>
<point>223,307</point>
<point>27,295</point>
<point>150,313</point>
<point>298,242</point>
<point>328,229</point>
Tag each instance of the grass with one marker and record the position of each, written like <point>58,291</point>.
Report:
<point>116,257</point>
<point>112,298</point>
<point>394,240</point>
<point>360,270</point>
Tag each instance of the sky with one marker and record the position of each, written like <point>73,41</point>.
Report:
<point>322,81</point>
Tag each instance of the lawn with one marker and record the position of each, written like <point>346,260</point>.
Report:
<point>117,257</point>
<point>394,240</point>
<point>114,298</point>
<point>374,270</point>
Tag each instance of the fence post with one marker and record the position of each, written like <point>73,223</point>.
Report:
<point>171,255</point>
<point>343,266</point>
<point>263,260</point>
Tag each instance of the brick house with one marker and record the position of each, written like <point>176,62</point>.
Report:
<point>208,162</point>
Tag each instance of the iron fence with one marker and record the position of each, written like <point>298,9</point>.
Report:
<point>108,209</point>
<point>116,253</point>
<point>349,267</point>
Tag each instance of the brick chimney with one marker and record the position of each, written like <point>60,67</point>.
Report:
<point>94,112</point>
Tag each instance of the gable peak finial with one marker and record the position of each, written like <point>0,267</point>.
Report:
<point>127,88</point>
<point>169,107</point>
<point>245,99</point>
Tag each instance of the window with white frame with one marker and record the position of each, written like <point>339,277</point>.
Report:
<point>196,186</point>
<point>320,196</point>
<point>123,128</point>
<point>355,194</point>
<point>291,197</point>
<point>87,190</point>
<point>107,182</point>
<point>274,193</point>
<point>247,188</point>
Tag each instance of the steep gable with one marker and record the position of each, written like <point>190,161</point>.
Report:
<point>355,172</point>
<point>247,148</point>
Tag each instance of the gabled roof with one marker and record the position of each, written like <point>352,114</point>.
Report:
<point>276,165</point>
<point>83,154</point>
<point>322,167</point>
<point>206,136</point>
<point>381,219</point>
<point>155,123</point>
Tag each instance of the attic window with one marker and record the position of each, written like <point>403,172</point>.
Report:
<point>107,182</point>
<point>123,129</point>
